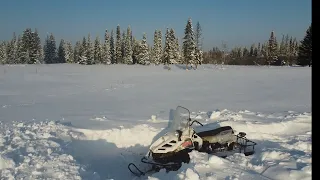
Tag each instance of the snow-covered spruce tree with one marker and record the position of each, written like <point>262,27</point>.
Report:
<point>264,50</point>
<point>53,48</point>
<point>305,49</point>
<point>62,52</point>
<point>112,48</point>
<point>3,53</point>
<point>83,60</point>
<point>252,47</point>
<point>177,50</point>
<point>272,48</point>
<point>97,51</point>
<point>295,47</point>
<point>175,47</point>
<point>166,58</point>
<point>44,48</point>
<point>160,41</point>
<point>259,50</point>
<point>50,50</point>
<point>170,53</point>
<point>41,54</point>
<point>128,48</point>
<point>33,42</point>
<point>26,44</point>
<point>23,53</point>
<point>106,51</point>
<point>135,50</point>
<point>198,57</point>
<point>33,51</point>
<point>20,50</point>
<point>291,47</point>
<point>76,51</point>
<point>14,46</point>
<point>90,51</point>
<point>68,52</point>
<point>38,47</point>
<point>123,41</point>
<point>157,47</point>
<point>143,56</point>
<point>282,49</point>
<point>235,52</point>
<point>245,52</point>
<point>26,56</point>
<point>83,52</point>
<point>240,52</point>
<point>198,41</point>
<point>290,50</point>
<point>181,61</point>
<point>198,36</point>
<point>255,51</point>
<point>118,52</point>
<point>154,47</point>
<point>131,37</point>
<point>188,44</point>
<point>11,50</point>
<point>286,46</point>
<point>150,53</point>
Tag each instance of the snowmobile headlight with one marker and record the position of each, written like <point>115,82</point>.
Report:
<point>178,134</point>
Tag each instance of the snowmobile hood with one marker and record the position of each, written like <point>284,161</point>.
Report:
<point>165,144</point>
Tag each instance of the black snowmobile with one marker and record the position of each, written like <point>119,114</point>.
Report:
<point>172,149</point>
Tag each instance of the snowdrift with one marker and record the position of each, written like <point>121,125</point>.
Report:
<point>57,150</point>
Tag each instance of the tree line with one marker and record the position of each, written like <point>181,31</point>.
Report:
<point>272,52</point>
<point>124,48</point>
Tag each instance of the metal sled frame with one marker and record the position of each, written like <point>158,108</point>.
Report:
<point>245,144</point>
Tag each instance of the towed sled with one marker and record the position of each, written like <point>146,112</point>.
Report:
<point>172,149</point>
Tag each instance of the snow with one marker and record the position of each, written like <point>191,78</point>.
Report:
<point>89,122</point>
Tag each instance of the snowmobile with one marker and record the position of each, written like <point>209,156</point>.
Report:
<point>172,149</point>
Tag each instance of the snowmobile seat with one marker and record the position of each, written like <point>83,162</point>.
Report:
<point>214,131</point>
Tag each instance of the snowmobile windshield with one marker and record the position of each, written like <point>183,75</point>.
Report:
<point>180,119</point>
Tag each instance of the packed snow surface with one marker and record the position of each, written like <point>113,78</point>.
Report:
<point>90,122</point>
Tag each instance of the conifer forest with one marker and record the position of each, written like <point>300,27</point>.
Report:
<point>121,47</point>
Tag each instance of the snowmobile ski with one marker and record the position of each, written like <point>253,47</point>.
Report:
<point>155,167</point>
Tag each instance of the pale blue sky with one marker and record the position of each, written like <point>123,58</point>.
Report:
<point>236,22</point>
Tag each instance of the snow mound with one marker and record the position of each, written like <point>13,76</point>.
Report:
<point>122,137</point>
<point>216,160</point>
<point>215,115</point>
<point>52,150</point>
<point>36,151</point>
<point>99,119</point>
<point>6,163</point>
<point>274,155</point>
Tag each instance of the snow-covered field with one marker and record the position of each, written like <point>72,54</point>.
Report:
<point>89,122</point>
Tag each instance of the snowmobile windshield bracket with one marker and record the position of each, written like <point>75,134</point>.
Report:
<point>196,122</point>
